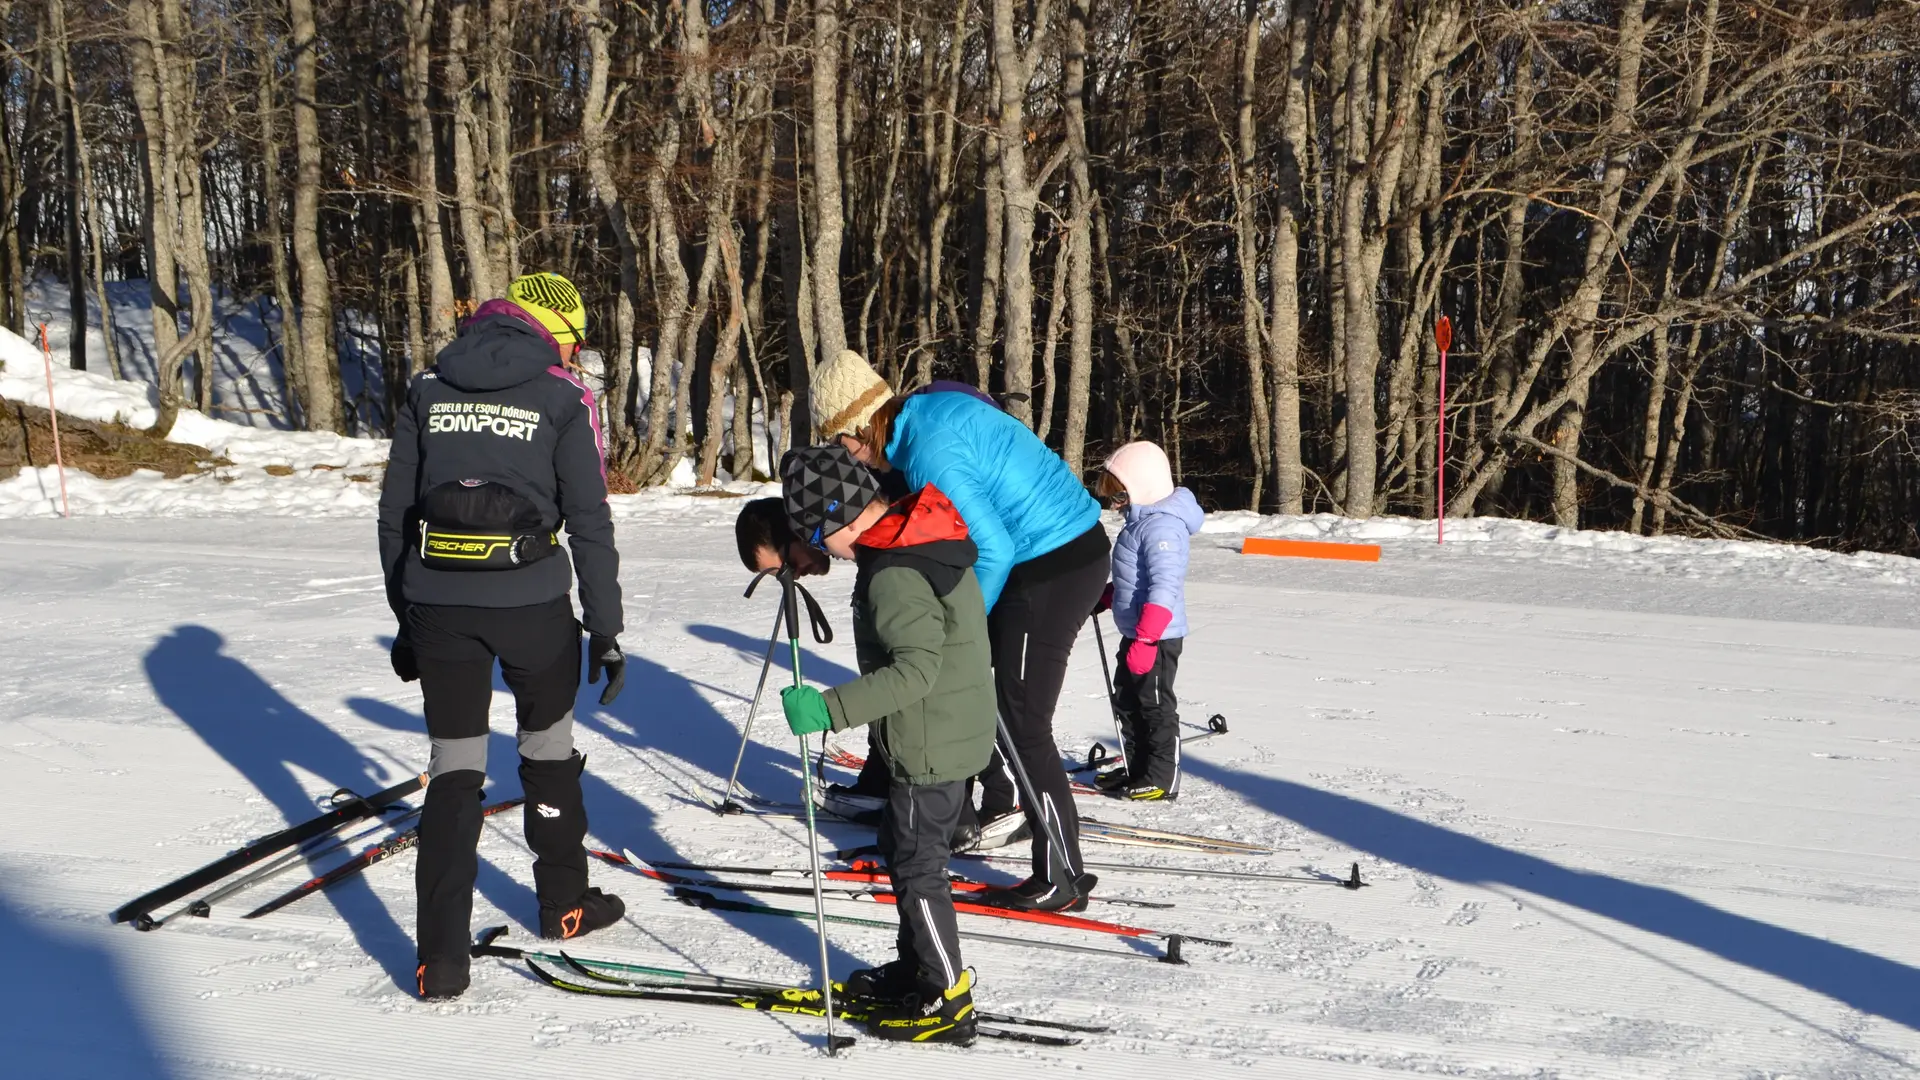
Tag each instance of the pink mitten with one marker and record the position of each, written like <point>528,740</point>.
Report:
<point>1154,621</point>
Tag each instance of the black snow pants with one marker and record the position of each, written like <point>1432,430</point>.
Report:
<point>1032,628</point>
<point>1150,717</point>
<point>914,832</point>
<point>538,648</point>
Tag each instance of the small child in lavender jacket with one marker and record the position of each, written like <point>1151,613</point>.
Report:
<point>1150,611</point>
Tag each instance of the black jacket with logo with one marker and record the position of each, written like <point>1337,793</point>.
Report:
<point>497,406</point>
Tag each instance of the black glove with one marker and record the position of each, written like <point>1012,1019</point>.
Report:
<point>404,665</point>
<point>604,652</point>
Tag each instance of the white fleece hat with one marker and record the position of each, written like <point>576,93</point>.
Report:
<point>846,394</point>
<point>1141,467</point>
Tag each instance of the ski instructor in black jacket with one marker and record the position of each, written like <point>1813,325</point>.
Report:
<point>497,447</point>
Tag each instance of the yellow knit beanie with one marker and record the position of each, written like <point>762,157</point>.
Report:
<point>846,394</point>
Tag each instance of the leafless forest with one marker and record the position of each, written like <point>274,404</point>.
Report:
<point>1677,238</point>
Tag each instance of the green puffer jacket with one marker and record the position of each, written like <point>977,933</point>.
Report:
<point>920,628</point>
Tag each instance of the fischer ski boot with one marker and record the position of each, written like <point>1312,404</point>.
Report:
<point>1148,793</point>
<point>933,1014</point>
<point>893,981</point>
<point>595,910</point>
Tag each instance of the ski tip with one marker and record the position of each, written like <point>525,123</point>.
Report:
<point>489,935</point>
<point>633,860</point>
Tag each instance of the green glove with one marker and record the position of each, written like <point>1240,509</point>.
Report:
<point>806,710</point>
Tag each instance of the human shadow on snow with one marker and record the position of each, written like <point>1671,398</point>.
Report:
<point>814,666</point>
<point>266,737</point>
<point>1861,980</point>
<point>665,724</point>
<point>66,1013</point>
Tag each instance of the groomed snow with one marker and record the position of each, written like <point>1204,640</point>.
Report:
<point>1629,807</point>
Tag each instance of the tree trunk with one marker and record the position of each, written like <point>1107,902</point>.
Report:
<point>1013,68</point>
<point>426,174</point>
<point>57,55</point>
<point>503,240</point>
<point>321,370</point>
<point>1283,333</point>
<point>670,284</point>
<point>1600,238</point>
<point>829,217</point>
<point>595,112</point>
<point>1246,187</point>
<point>482,282</point>
<point>160,204</point>
<point>1079,242</point>
<point>293,371</point>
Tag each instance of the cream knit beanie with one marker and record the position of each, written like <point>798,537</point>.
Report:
<point>1142,468</point>
<point>846,394</point>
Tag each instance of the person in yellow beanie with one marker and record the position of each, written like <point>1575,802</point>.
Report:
<point>496,450</point>
<point>1043,564</point>
<point>555,304</point>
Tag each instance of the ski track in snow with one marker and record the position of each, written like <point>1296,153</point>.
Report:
<point>1618,822</point>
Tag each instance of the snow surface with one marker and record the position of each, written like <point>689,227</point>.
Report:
<point>1630,809</point>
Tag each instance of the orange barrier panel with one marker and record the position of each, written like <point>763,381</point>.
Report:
<point>1310,549</point>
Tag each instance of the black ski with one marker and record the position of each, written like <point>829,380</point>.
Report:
<point>377,853</point>
<point>585,968</point>
<point>139,911</point>
<point>790,1003</point>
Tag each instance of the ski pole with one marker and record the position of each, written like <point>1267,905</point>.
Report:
<point>790,604</point>
<point>727,805</point>
<point>1050,824</point>
<point>203,907</point>
<point>1113,704</point>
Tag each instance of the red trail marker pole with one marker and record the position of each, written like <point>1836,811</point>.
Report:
<point>1443,337</point>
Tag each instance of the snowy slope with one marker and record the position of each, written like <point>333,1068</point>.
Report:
<point>1630,809</point>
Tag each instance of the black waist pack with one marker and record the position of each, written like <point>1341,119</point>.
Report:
<point>481,525</point>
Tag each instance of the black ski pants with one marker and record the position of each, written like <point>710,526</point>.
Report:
<point>1150,717</point>
<point>538,649</point>
<point>1032,630</point>
<point>914,832</point>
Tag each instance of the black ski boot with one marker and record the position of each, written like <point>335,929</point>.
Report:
<point>555,819</point>
<point>594,910</point>
<point>441,981</point>
<point>1035,894</point>
<point>932,1014</point>
<point>893,981</point>
<point>443,882</point>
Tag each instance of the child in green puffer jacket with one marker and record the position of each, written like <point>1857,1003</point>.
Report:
<point>926,683</point>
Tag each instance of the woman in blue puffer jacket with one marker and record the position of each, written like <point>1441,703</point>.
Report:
<point>1043,564</point>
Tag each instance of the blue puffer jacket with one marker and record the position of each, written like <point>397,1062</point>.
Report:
<point>1018,498</point>
<point>1150,561</point>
